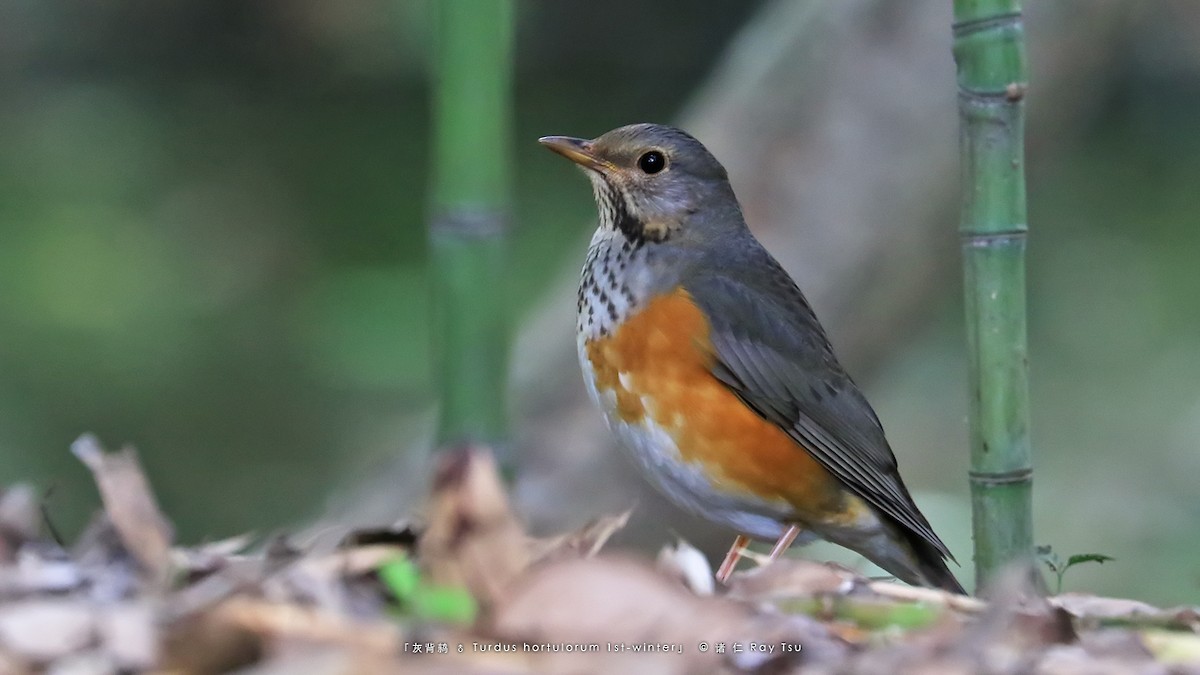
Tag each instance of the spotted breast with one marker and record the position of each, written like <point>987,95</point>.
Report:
<point>642,352</point>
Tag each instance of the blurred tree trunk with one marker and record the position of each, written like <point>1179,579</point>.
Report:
<point>837,121</point>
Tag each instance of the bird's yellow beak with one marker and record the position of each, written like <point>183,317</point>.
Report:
<point>579,151</point>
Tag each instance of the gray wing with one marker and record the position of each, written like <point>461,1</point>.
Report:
<point>772,352</point>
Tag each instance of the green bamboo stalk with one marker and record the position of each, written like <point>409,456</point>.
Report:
<point>470,206</point>
<point>989,49</point>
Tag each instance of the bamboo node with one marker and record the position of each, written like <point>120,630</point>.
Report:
<point>1013,236</point>
<point>469,223</point>
<point>997,478</point>
<point>962,29</point>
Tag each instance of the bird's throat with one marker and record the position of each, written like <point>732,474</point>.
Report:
<point>613,284</point>
<point>618,214</point>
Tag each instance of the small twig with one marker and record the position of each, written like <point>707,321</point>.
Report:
<point>284,621</point>
<point>44,508</point>
<point>933,596</point>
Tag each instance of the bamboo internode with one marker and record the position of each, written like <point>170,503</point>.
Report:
<point>470,203</point>
<point>990,52</point>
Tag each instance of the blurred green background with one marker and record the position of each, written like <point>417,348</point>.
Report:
<point>212,247</point>
<point>212,238</point>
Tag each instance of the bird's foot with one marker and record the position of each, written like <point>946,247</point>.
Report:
<point>732,557</point>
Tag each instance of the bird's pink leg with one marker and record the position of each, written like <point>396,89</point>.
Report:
<point>785,542</point>
<point>732,558</point>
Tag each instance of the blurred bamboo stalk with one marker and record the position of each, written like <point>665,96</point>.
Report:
<point>989,49</point>
<point>468,222</point>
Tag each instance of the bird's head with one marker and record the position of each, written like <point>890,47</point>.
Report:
<point>651,180</point>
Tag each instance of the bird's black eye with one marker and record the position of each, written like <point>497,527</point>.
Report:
<point>652,162</point>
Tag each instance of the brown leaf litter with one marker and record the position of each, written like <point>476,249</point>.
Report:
<point>471,592</point>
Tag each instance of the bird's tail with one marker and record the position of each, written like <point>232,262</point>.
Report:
<point>932,566</point>
<point>912,558</point>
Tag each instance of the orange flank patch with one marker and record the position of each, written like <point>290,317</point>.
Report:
<point>658,364</point>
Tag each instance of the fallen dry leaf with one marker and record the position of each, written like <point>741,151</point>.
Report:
<point>283,621</point>
<point>1075,660</point>
<point>1172,646</point>
<point>295,609</point>
<point>86,662</point>
<point>1094,608</point>
<point>472,538</point>
<point>210,556</point>
<point>638,618</point>
<point>582,543</point>
<point>791,577</point>
<point>209,642</point>
<point>309,660</point>
<point>109,569</point>
<point>350,561</point>
<point>1015,629</point>
<point>129,634</point>
<point>34,572</point>
<point>329,582</point>
<point>43,630</point>
<point>20,518</point>
<point>130,504</point>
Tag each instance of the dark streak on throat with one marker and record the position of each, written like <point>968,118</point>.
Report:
<point>614,213</point>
